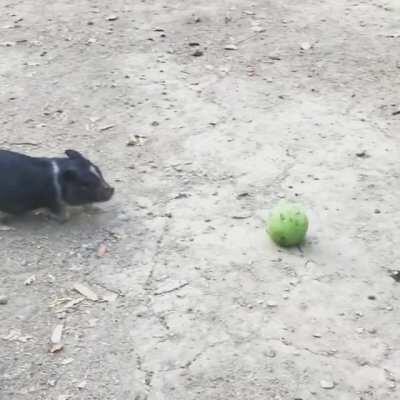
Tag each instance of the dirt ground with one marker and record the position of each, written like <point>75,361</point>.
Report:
<point>203,115</point>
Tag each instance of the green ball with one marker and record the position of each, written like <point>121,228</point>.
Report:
<point>287,224</point>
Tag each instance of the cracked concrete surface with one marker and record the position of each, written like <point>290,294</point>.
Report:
<point>203,305</point>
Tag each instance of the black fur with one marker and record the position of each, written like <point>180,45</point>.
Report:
<point>28,183</point>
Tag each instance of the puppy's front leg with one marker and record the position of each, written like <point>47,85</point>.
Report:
<point>60,213</point>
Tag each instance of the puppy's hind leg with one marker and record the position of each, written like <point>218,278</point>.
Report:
<point>5,219</point>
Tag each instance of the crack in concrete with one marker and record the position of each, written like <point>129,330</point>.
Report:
<point>190,362</point>
<point>172,289</point>
<point>148,378</point>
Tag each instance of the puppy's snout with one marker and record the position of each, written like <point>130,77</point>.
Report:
<point>107,191</point>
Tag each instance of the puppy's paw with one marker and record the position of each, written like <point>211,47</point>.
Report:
<point>61,215</point>
<point>91,209</point>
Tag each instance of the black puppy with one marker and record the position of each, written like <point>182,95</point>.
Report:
<point>28,183</point>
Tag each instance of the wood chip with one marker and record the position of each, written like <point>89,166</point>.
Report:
<point>85,291</point>
<point>57,334</point>
<point>56,348</point>
<point>258,29</point>
<point>230,47</point>
<point>71,304</point>
<point>327,384</point>
<point>106,127</point>
<point>244,216</point>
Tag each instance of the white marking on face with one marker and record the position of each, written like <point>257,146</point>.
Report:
<point>94,172</point>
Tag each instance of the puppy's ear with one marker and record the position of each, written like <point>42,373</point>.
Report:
<point>74,155</point>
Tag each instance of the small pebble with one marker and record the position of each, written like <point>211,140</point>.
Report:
<point>81,385</point>
<point>197,53</point>
<point>371,297</point>
<point>327,384</point>
<point>272,303</point>
<point>123,217</point>
<point>362,362</point>
<point>270,353</point>
<point>30,280</point>
<point>305,46</point>
<point>3,300</point>
<point>112,18</point>
<point>362,154</point>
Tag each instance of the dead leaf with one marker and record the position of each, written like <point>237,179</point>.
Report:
<point>56,348</point>
<point>57,334</point>
<point>85,291</point>
<point>102,250</point>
